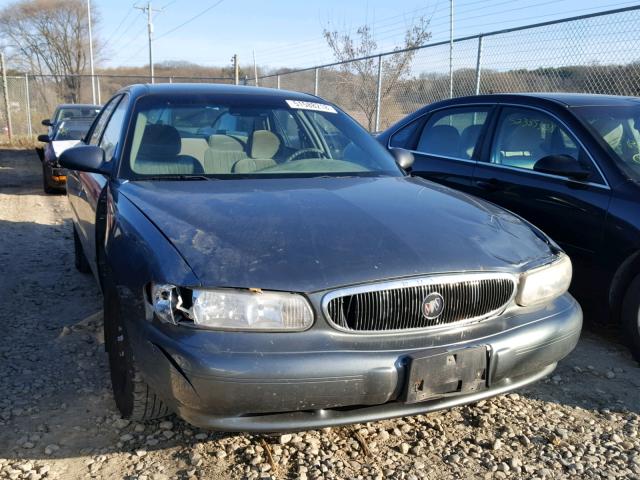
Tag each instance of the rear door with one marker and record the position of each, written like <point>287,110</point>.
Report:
<point>572,212</point>
<point>444,142</point>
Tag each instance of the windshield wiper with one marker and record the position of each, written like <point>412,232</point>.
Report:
<point>175,177</point>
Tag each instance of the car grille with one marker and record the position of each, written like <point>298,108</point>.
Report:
<point>399,305</point>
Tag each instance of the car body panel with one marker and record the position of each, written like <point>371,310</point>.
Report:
<point>310,234</point>
<point>587,219</point>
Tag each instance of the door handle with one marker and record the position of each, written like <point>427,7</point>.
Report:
<point>490,185</point>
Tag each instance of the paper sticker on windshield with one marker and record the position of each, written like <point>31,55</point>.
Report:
<point>318,107</point>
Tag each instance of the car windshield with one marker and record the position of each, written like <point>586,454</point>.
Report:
<point>74,129</point>
<point>76,111</point>
<point>618,128</point>
<point>237,136</point>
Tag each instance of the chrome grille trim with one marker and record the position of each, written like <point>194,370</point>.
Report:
<point>395,306</point>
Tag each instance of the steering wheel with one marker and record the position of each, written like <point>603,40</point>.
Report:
<point>295,155</point>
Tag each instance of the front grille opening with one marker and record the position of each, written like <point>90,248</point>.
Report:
<point>402,308</point>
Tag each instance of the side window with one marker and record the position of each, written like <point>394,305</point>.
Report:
<point>112,131</point>
<point>102,120</point>
<point>524,136</point>
<point>404,138</point>
<point>453,133</point>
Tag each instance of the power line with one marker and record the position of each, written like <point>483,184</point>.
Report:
<point>190,20</point>
<point>124,19</point>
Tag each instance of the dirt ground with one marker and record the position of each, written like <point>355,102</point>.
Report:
<point>58,420</point>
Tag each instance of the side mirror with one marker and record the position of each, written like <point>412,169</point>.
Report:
<point>44,138</point>
<point>562,165</point>
<point>85,158</point>
<point>47,122</point>
<point>404,158</point>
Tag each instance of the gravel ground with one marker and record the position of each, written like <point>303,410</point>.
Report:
<point>57,418</point>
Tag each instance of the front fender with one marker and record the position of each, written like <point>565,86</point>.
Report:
<point>137,253</point>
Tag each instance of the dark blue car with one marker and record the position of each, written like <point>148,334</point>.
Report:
<point>568,163</point>
<point>266,265</point>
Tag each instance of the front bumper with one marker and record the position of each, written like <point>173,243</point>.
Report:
<point>297,381</point>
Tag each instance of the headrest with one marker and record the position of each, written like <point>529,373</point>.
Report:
<point>263,144</point>
<point>225,143</point>
<point>439,140</point>
<point>160,141</point>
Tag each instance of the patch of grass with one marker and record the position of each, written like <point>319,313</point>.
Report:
<point>20,142</point>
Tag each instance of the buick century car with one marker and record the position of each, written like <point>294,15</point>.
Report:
<point>267,265</point>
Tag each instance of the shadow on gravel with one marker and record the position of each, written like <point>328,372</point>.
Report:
<point>20,172</point>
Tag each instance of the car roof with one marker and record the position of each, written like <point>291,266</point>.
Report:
<point>565,99</point>
<point>78,105</point>
<point>240,91</point>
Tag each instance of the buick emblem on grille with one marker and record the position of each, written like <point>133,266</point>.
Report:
<point>432,306</point>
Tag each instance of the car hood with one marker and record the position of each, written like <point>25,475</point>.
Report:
<point>60,146</point>
<point>311,234</point>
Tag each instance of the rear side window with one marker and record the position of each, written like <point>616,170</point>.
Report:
<point>453,133</point>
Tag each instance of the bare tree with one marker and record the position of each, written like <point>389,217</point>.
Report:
<point>359,79</point>
<point>49,37</point>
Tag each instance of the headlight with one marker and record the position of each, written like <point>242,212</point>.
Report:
<point>545,283</point>
<point>230,309</point>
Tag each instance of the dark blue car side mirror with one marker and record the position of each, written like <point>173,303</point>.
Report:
<point>85,158</point>
<point>404,158</point>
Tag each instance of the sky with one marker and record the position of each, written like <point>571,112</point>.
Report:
<point>288,33</point>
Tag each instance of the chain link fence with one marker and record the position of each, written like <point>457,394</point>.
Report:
<point>33,98</point>
<point>593,53</point>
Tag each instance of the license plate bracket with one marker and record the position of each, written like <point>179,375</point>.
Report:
<point>447,374</point>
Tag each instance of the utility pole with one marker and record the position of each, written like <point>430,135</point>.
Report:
<point>236,69</point>
<point>450,48</point>
<point>149,11</point>
<point>93,78</point>
<point>7,107</point>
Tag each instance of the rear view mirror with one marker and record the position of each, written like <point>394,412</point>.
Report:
<point>562,165</point>
<point>47,122</point>
<point>85,158</point>
<point>404,158</point>
<point>44,138</point>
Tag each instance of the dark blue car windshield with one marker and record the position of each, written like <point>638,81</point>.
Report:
<point>229,137</point>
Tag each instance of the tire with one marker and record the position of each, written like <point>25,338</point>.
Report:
<point>81,262</point>
<point>45,180</point>
<point>631,317</point>
<point>133,396</point>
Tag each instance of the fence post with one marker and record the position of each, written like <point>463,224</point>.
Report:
<point>378,93</point>
<point>6,96</point>
<point>170,79</point>
<point>98,89</point>
<point>315,83</point>
<point>26,92</point>
<point>278,78</point>
<point>479,65</point>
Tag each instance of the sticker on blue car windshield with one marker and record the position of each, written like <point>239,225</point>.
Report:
<point>318,107</point>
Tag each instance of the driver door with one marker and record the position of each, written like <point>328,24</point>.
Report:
<point>571,212</point>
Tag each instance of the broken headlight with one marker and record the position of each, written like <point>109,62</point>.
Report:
<point>545,283</point>
<point>231,309</point>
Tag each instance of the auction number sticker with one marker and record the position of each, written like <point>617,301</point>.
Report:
<point>318,107</point>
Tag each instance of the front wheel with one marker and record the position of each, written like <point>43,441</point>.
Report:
<point>46,175</point>
<point>134,398</point>
<point>631,317</point>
